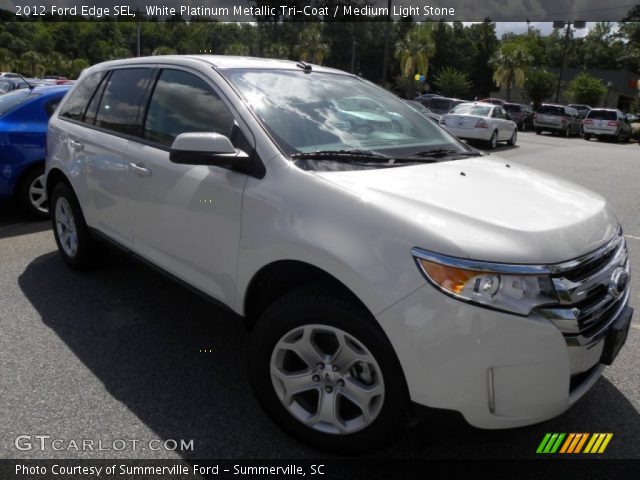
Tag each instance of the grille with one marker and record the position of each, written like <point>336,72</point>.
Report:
<point>583,286</point>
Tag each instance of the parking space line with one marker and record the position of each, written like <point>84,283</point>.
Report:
<point>633,237</point>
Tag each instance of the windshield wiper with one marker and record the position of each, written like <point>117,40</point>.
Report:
<point>340,155</point>
<point>443,152</point>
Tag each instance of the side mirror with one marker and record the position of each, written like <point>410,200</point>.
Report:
<point>209,148</point>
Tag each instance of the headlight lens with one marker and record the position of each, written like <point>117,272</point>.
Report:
<point>512,292</point>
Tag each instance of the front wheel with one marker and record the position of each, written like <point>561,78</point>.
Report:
<point>587,136</point>
<point>514,138</point>
<point>75,244</point>
<point>326,374</point>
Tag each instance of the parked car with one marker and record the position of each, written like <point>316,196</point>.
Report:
<point>8,84</point>
<point>24,115</point>
<point>423,110</point>
<point>607,123</point>
<point>481,121</point>
<point>521,114</point>
<point>376,272</point>
<point>557,119</point>
<point>494,101</point>
<point>9,75</point>
<point>442,105</point>
<point>583,110</point>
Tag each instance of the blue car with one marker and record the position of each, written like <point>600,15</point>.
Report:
<point>24,115</point>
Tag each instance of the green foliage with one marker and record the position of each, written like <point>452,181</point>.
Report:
<point>586,89</point>
<point>452,82</point>
<point>510,62</point>
<point>539,85</point>
<point>414,50</point>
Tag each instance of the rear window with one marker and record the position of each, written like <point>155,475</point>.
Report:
<point>602,115</point>
<point>11,100</point>
<point>481,110</point>
<point>551,110</point>
<point>511,108</point>
<point>440,103</point>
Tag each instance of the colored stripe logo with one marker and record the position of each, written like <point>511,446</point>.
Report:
<point>574,443</point>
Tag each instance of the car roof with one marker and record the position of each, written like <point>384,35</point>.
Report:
<point>482,104</point>
<point>221,62</point>
<point>606,109</point>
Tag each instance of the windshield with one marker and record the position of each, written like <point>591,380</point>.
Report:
<point>10,100</point>
<point>312,112</point>
<point>468,109</point>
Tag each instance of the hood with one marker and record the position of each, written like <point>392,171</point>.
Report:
<point>487,209</point>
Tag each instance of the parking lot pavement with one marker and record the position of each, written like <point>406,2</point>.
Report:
<point>116,353</point>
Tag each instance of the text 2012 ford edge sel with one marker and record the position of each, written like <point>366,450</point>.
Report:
<point>379,263</point>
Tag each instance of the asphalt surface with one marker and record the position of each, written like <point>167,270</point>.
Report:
<point>116,353</point>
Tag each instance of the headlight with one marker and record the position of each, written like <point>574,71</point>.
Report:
<point>512,288</point>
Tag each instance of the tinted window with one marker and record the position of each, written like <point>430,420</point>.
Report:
<point>182,102</point>
<point>76,105</point>
<point>51,105</point>
<point>467,109</point>
<point>440,103</point>
<point>512,108</point>
<point>120,102</point>
<point>92,110</point>
<point>11,100</point>
<point>551,110</point>
<point>602,115</point>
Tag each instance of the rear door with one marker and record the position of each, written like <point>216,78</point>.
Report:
<point>186,218</point>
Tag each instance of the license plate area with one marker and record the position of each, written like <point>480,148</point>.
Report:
<point>616,337</point>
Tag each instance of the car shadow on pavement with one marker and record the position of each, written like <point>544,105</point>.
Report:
<point>142,336</point>
<point>14,222</point>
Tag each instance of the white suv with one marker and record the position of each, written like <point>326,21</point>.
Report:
<point>380,264</point>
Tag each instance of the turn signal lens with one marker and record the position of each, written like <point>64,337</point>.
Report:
<point>450,278</point>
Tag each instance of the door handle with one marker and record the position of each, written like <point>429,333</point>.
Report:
<point>76,145</point>
<point>140,169</point>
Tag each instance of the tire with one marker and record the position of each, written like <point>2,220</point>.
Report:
<point>619,138</point>
<point>78,249</point>
<point>514,138</point>
<point>325,317</point>
<point>32,195</point>
<point>587,136</point>
<point>522,127</point>
<point>567,132</point>
<point>493,141</point>
<point>538,131</point>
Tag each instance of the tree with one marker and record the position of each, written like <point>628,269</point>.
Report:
<point>452,82</point>
<point>163,50</point>
<point>237,48</point>
<point>539,85</point>
<point>31,64</point>
<point>6,60</point>
<point>413,51</point>
<point>586,89</point>
<point>311,47</point>
<point>509,63</point>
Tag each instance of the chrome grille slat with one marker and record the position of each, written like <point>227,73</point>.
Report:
<point>583,285</point>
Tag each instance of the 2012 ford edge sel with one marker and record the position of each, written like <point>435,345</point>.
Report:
<point>380,263</point>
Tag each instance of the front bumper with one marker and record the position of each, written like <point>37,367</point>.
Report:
<point>498,370</point>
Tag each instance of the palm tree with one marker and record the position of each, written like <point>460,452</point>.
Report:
<point>311,47</point>
<point>56,63</point>
<point>452,82</point>
<point>510,62</point>
<point>413,51</point>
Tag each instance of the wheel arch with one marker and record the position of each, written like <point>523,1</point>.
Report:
<point>274,280</point>
<point>24,174</point>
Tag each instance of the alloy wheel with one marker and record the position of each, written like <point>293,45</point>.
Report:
<point>66,227</point>
<point>38,195</point>
<point>327,379</point>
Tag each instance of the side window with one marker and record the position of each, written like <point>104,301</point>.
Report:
<point>76,105</point>
<point>182,102</point>
<point>51,105</point>
<point>118,110</point>
<point>92,109</point>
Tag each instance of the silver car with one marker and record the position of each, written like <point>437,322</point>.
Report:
<point>607,123</point>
